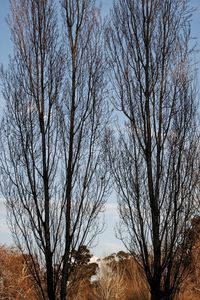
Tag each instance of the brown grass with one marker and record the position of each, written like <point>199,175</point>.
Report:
<point>123,273</point>
<point>15,282</point>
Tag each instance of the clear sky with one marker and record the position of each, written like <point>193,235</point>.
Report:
<point>107,241</point>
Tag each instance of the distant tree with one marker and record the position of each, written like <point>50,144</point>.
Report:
<point>154,158</point>
<point>80,280</point>
<point>53,174</point>
<point>134,279</point>
<point>134,276</point>
<point>110,282</point>
<point>83,268</point>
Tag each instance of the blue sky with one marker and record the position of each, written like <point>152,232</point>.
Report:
<point>4,32</point>
<point>107,241</point>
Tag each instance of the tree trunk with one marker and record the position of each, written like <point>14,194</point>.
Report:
<point>155,290</point>
<point>50,285</point>
<point>157,294</point>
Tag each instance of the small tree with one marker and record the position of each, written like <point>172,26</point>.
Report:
<point>154,161</point>
<point>80,280</point>
<point>52,136</point>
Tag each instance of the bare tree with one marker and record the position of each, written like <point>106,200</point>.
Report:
<point>155,158</point>
<point>52,137</point>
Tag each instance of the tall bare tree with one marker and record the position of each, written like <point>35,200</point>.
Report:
<point>52,137</point>
<point>155,158</point>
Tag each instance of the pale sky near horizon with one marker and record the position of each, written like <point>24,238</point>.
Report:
<point>107,241</point>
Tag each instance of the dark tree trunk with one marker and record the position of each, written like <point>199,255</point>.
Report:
<point>50,283</point>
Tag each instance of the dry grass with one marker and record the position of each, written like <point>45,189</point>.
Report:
<point>190,289</point>
<point>120,279</point>
<point>15,282</point>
